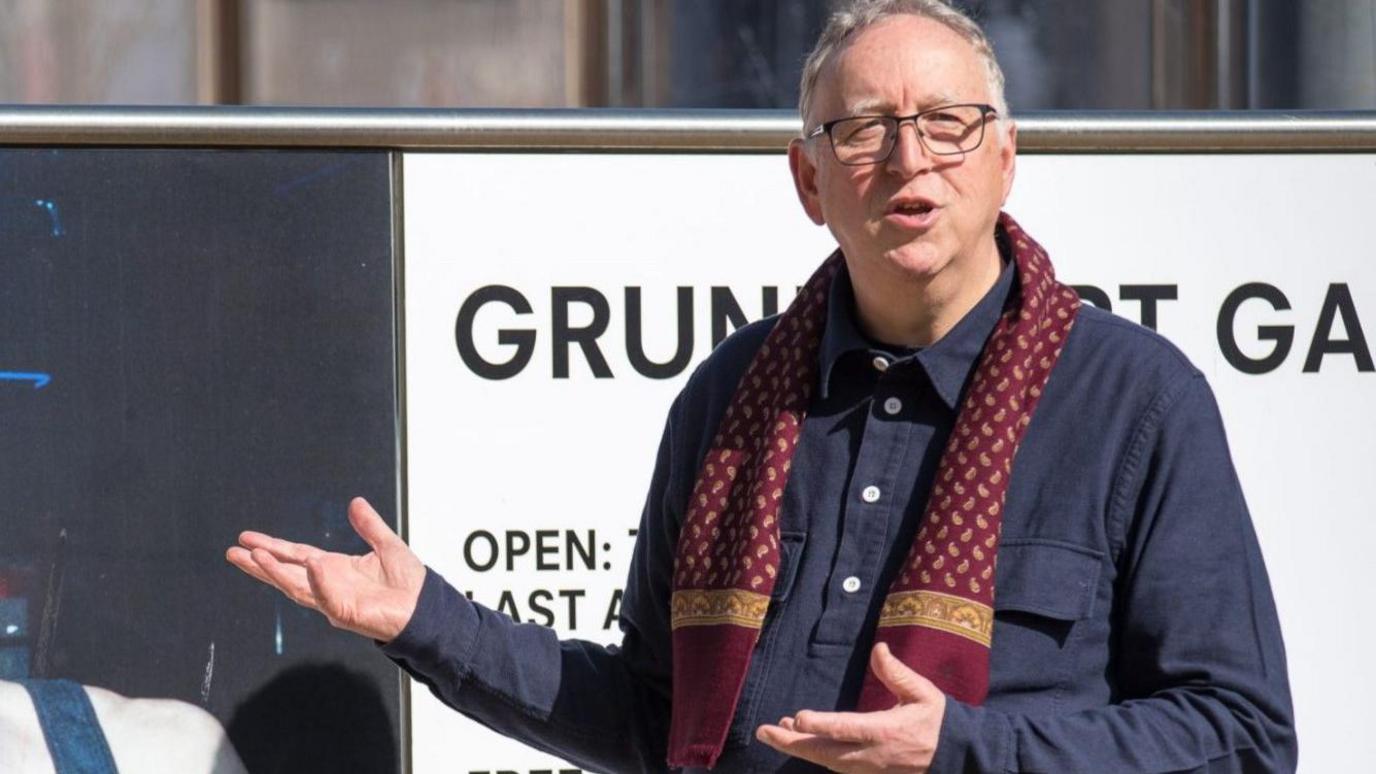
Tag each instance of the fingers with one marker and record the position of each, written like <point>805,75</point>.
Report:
<point>241,558</point>
<point>779,737</point>
<point>840,726</point>
<point>290,579</point>
<point>370,525</point>
<point>903,682</point>
<point>282,550</point>
<point>817,749</point>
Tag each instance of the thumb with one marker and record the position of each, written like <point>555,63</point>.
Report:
<point>370,526</point>
<point>909,686</point>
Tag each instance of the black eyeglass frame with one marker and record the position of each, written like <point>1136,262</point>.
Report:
<point>826,127</point>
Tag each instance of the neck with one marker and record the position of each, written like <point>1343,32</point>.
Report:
<point>918,312</point>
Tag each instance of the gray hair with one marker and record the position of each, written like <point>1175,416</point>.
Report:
<point>856,15</point>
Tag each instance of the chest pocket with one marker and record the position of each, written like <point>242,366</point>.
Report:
<point>1048,578</point>
<point>1044,600</point>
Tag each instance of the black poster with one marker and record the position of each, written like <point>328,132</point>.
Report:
<point>194,343</point>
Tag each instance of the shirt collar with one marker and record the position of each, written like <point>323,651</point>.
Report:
<point>948,362</point>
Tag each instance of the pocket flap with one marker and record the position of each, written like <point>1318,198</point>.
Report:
<point>1047,577</point>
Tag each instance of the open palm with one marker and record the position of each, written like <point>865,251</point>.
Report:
<point>373,595</point>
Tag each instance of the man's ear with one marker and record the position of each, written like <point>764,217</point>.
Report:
<point>805,180</point>
<point>1008,158</point>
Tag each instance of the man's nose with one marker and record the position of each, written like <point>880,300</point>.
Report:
<point>909,155</point>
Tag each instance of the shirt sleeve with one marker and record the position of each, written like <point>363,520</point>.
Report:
<point>1199,664</point>
<point>605,708</point>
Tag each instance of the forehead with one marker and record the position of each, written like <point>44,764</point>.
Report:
<point>901,63</point>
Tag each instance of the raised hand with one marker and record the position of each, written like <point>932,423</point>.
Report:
<point>901,739</point>
<point>373,595</point>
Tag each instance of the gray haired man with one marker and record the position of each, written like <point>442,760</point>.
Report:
<point>936,516</point>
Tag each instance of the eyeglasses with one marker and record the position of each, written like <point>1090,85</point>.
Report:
<point>948,130</point>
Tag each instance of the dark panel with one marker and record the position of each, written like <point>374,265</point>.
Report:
<point>193,343</point>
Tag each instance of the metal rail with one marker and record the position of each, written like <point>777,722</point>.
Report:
<point>742,131</point>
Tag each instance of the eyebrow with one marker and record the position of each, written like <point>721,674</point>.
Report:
<point>873,106</point>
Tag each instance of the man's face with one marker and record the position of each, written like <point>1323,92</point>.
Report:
<point>899,66</point>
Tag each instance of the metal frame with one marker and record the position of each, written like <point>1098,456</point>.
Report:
<point>739,131</point>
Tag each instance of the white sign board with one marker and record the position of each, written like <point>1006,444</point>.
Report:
<point>555,303</point>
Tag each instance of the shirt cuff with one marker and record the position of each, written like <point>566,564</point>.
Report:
<point>972,739</point>
<point>436,643</point>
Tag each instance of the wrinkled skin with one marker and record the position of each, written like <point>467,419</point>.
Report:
<point>911,284</point>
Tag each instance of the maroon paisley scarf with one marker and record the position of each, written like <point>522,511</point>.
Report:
<point>938,617</point>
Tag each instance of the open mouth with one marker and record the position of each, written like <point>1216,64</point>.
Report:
<point>912,208</point>
<point>913,213</point>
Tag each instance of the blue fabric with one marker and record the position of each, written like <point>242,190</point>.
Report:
<point>1134,624</point>
<point>70,726</point>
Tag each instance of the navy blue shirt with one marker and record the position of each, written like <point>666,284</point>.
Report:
<point>1134,625</point>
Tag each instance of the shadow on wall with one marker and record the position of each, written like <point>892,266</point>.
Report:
<point>315,719</point>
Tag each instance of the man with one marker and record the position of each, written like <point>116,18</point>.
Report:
<point>814,577</point>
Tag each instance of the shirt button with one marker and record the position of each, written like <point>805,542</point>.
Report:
<point>893,406</point>
<point>881,363</point>
<point>870,494</point>
<point>851,584</point>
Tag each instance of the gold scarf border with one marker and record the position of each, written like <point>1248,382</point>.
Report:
<point>945,612</point>
<point>709,607</point>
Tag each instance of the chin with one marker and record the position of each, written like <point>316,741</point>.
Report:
<point>919,262</point>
